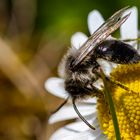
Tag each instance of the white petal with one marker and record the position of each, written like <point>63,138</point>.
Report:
<point>90,100</point>
<point>106,66</point>
<point>67,112</point>
<point>56,87</point>
<point>65,134</point>
<point>114,65</point>
<point>129,30</point>
<point>78,39</point>
<point>92,119</point>
<point>78,126</point>
<point>101,137</point>
<point>95,122</point>
<point>78,131</point>
<point>139,51</point>
<point>99,84</point>
<point>95,20</point>
<point>62,134</point>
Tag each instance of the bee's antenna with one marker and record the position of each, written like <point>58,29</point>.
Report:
<point>79,114</point>
<point>61,105</point>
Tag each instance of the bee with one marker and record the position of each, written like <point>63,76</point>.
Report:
<point>81,67</point>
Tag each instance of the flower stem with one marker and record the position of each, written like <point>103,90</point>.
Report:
<point>112,108</point>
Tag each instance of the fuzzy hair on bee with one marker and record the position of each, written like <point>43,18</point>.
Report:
<point>81,69</point>
<point>79,81</point>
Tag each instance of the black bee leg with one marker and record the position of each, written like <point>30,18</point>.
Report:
<point>61,105</point>
<point>80,116</point>
<point>70,129</point>
<point>119,84</point>
<point>117,52</point>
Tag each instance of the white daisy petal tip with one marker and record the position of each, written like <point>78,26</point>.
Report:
<point>129,29</point>
<point>95,20</point>
<point>78,39</point>
<point>55,86</point>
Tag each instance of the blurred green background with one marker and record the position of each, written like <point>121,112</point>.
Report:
<point>34,36</point>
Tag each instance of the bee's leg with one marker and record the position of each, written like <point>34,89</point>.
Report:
<point>117,52</point>
<point>119,84</point>
<point>70,129</point>
<point>61,105</point>
<point>80,116</point>
<point>111,81</point>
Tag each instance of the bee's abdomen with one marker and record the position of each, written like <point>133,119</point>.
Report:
<point>117,51</point>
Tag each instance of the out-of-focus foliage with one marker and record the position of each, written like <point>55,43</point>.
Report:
<point>33,36</point>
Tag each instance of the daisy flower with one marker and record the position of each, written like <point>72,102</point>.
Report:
<point>127,103</point>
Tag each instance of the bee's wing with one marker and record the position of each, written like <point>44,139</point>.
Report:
<point>109,26</point>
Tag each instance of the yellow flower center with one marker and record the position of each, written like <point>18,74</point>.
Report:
<point>127,104</point>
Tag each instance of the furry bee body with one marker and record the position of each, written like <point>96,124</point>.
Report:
<point>79,81</point>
